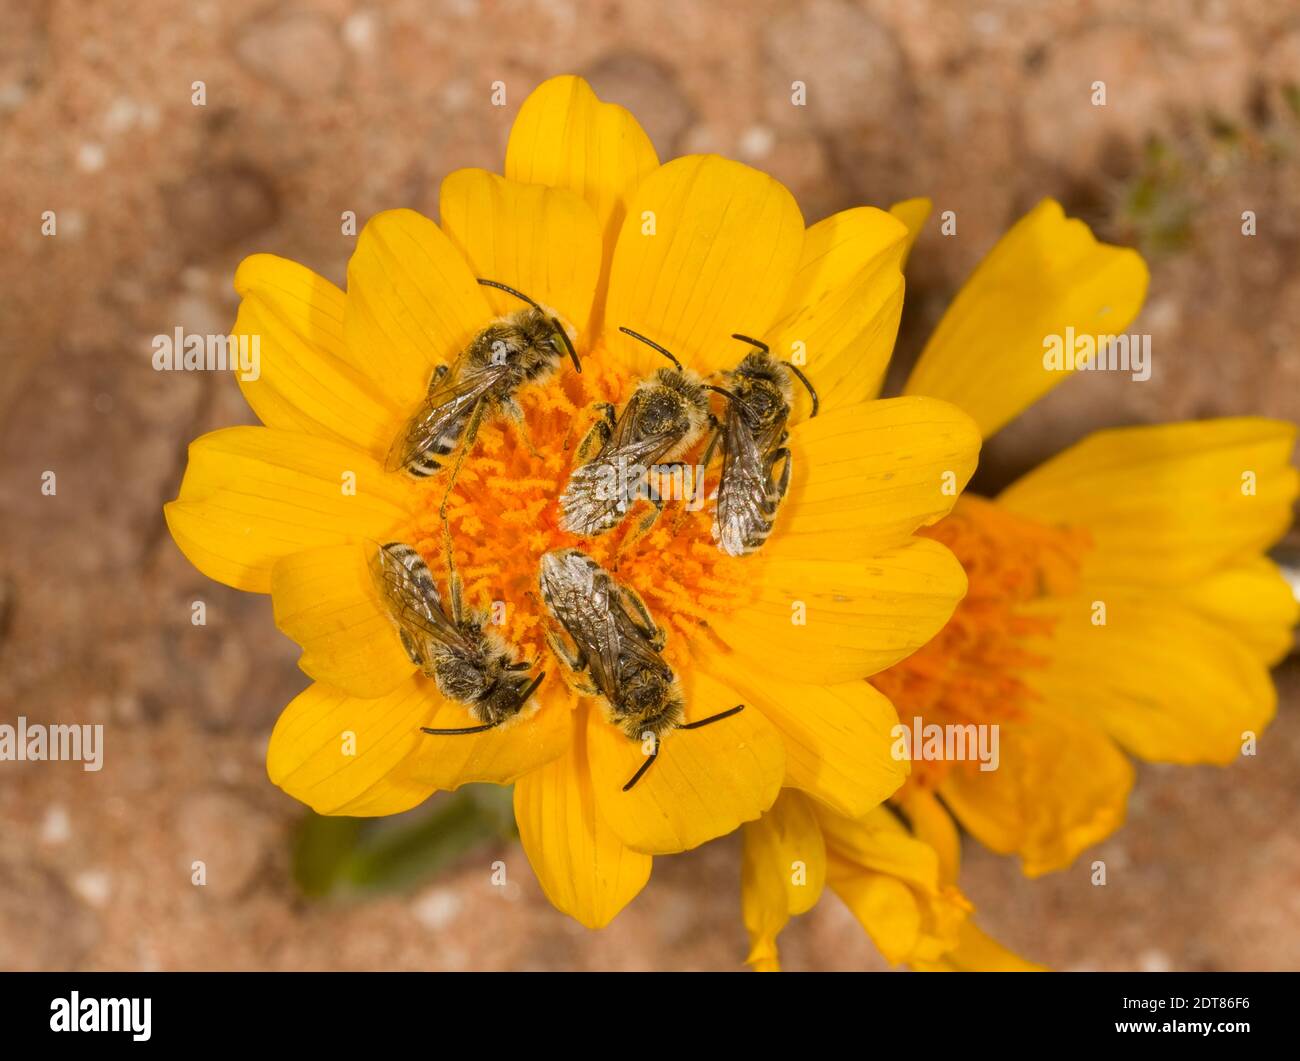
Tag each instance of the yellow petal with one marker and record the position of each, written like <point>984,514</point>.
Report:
<point>704,783</point>
<point>1060,786</point>
<point>1167,683</point>
<point>1253,600</point>
<point>1169,503</point>
<point>584,869</point>
<point>543,242</point>
<point>891,882</point>
<point>931,823</point>
<point>834,621</point>
<point>1047,274</point>
<point>565,137</point>
<point>413,304</point>
<point>709,248</point>
<point>864,478</point>
<point>841,313</point>
<point>977,952</point>
<point>782,874</point>
<point>837,737</point>
<point>500,756</point>
<point>913,213</point>
<point>339,754</point>
<point>343,754</point>
<point>305,382</point>
<point>252,495</point>
<point>325,600</point>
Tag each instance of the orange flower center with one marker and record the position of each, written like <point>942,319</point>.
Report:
<point>504,515</point>
<point>972,671</point>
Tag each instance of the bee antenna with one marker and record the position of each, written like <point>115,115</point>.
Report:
<point>509,290</point>
<point>568,345</point>
<point>653,345</point>
<point>456,732</point>
<point>721,390</point>
<point>532,688</point>
<point>714,718</point>
<point>807,383</point>
<point>752,342</point>
<point>649,762</point>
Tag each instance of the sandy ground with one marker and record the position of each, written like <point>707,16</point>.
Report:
<point>314,108</point>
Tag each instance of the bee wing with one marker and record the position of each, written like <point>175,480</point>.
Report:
<point>594,498</point>
<point>582,601</point>
<point>742,488</point>
<point>445,411</point>
<point>413,600</point>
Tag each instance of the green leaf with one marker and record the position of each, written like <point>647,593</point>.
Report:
<point>355,857</point>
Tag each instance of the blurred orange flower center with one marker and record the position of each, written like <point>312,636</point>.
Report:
<point>972,671</point>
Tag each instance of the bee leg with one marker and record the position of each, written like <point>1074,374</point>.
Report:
<point>412,651</point>
<point>466,444</point>
<point>437,377</point>
<point>647,626</point>
<point>782,484</point>
<point>530,688</point>
<point>516,413</point>
<point>573,658</point>
<point>454,586</point>
<point>599,433</point>
<point>714,438</point>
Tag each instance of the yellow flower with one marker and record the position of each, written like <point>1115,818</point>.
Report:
<point>1119,602</point>
<point>586,222</point>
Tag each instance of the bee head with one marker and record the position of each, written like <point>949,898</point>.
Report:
<point>461,679</point>
<point>651,702</point>
<point>505,698</point>
<point>673,403</point>
<point>763,391</point>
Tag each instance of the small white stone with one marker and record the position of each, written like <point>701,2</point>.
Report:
<point>56,827</point>
<point>94,886</point>
<point>437,909</point>
<point>359,31</point>
<point>90,157</point>
<point>757,142</point>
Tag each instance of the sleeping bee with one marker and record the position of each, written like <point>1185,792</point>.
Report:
<point>759,395</point>
<point>521,348</point>
<point>616,641</point>
<point>664,417</point>
<point>468,663</point>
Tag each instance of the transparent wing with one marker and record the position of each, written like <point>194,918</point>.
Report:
<point>599,492</point>
<point>742,490</point>
<point>578,595</point>
<point>407,587</point>
<point>444,413</point>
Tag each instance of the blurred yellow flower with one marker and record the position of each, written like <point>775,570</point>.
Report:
<point>1119,602</point>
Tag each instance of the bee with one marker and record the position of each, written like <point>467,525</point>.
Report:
<point>469,664</point>
<point>662,419</point>
<point>618,644</point>
<point>753,435</point>
<point>521,348</point>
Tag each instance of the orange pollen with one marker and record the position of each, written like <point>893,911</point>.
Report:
<point>972,671</point>
<point>504,514</point>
